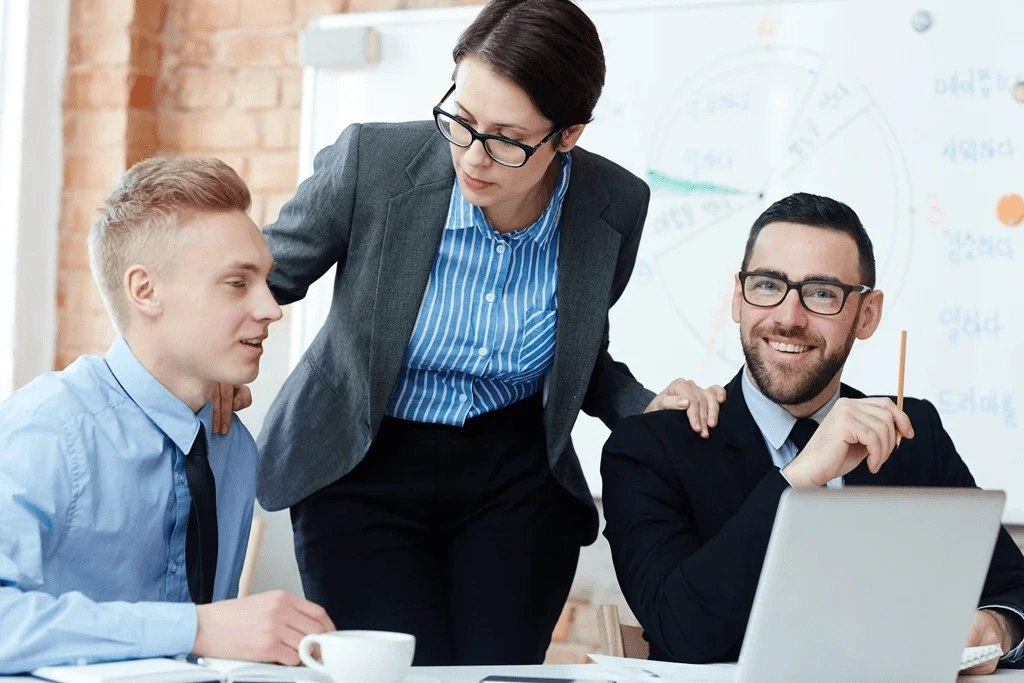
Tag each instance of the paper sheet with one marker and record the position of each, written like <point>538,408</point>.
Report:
<point>661,672</point>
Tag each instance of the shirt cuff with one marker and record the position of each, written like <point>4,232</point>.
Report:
<point>786,478</point>
<point>168,628</point>
<point>1015,654</point>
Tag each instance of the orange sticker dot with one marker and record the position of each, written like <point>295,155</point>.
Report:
<point>1011,209</point>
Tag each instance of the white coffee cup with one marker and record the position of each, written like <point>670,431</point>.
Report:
<point>360,656</point>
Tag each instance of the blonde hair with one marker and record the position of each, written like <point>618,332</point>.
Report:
<point>140,222</point>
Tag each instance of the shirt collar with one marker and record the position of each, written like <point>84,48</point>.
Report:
<point>167,411</point>
<point>774,421</point>
<point>463,214</point>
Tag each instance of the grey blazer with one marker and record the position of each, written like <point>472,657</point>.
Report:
<point>376,205</point>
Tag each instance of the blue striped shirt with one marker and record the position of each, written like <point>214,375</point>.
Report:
<point>485,334</point>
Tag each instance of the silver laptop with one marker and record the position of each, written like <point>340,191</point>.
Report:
<point>869,585</point>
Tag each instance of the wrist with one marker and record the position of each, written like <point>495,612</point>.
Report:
<point>1010,627</point>
<point>796,477</point>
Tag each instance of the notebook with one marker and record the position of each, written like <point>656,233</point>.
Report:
<point>235,671</point>
<point>178,671</point>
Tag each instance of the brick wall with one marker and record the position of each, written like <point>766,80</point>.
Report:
<point>215,78</point>
<point>199,77</point>
<point>109,124</point>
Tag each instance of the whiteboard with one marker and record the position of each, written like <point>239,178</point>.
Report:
<point>725,107</point>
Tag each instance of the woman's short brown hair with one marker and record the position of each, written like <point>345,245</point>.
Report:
<point>549,48</point>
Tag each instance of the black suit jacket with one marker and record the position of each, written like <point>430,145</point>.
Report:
<point>689,520</point>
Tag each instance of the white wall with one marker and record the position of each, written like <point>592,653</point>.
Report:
<point>34,57</point>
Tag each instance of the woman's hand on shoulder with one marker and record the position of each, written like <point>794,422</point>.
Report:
<point>227,400</point>
<point>701,405</point>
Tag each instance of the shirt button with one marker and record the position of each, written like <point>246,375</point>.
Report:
<point>490,297</point>
<point>501,248</point>
<point>181,478</point>
<point>463,398</point>
<point>174,567</point>
<point>482,351</point>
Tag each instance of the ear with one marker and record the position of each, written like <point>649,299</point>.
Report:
<point>870,314</point>
<point>737,299</point>
<point>570,136</point>
<point>141,292</point>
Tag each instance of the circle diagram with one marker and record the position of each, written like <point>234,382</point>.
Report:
<point>743,132</point>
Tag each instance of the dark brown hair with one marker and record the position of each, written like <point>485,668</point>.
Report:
<point>549,48</point>
<point>817,212</point>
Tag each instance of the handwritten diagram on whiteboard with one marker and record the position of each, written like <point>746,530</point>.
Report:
<point>727,142</point>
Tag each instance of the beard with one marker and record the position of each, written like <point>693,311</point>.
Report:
<point>794,386</point>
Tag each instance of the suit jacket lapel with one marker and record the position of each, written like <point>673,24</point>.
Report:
<point>588,251</point>
<point>415,223</point>
<point>744,442</point>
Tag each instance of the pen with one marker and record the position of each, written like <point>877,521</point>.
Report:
<point>899,381</point>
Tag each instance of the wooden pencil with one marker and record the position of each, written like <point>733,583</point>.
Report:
<point>899,381</point>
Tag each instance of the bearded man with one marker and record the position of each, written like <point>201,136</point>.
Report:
<point>689,518</point>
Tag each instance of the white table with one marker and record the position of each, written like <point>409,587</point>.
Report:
<point>473,674</point>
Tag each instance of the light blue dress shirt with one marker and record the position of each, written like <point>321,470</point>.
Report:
<point>93,508</point>
<point>485,334</point>
<point>775,423</point>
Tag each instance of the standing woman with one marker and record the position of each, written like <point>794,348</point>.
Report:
<point>423,441</point>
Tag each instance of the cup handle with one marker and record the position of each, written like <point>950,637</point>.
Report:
<point>306,656</point>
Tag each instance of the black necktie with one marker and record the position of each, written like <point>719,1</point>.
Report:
<point>802,432</point>
<point>201,533</point>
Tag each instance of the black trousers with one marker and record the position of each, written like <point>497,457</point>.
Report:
<point>457,535</point>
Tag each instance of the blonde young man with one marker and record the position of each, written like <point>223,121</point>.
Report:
<point>123,519</point>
